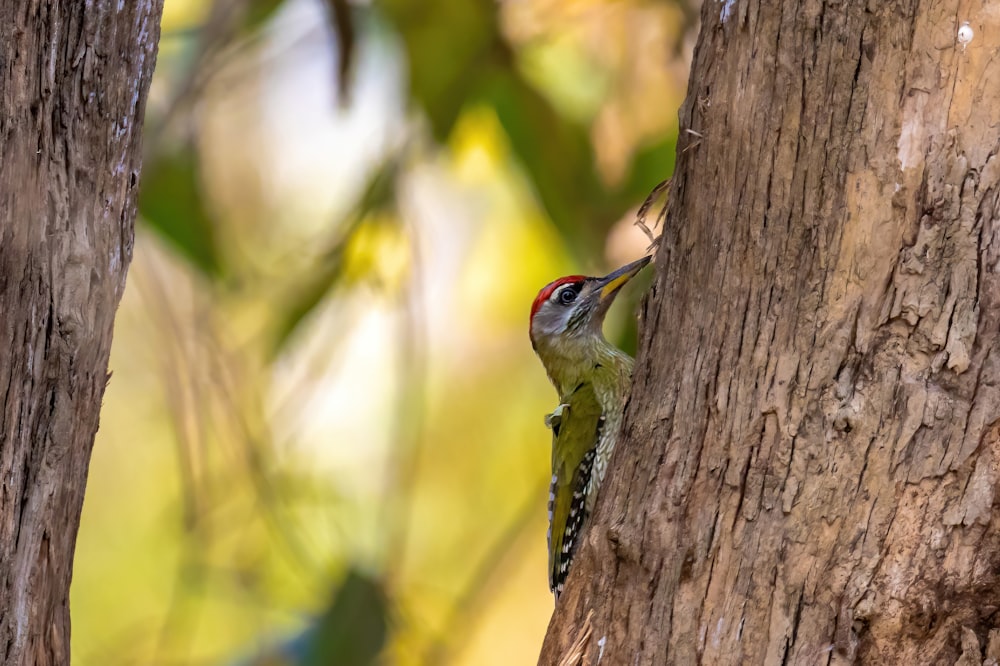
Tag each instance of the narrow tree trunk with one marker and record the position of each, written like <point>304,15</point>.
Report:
<point>73,82</point>
<point>810,455</point>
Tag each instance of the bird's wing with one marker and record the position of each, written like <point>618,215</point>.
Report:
<point>575,431</point>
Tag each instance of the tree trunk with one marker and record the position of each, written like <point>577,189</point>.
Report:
<point>73,83</point>
<point>810,456</point>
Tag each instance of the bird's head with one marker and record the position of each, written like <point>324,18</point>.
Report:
<point>570,311</point>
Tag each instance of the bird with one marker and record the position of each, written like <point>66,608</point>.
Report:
<point>592,378</point>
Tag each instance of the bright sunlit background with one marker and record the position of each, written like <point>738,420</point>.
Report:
<point>323,435</point>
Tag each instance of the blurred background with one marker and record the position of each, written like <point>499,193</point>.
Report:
<point>323,437</point>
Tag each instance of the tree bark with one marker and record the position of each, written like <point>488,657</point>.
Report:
<point>73,83</point>
<point>809,460</point>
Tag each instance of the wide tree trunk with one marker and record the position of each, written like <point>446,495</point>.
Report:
<point>73,83</point>
<point>809,461</point>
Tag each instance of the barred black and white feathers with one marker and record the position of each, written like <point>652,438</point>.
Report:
<point>562,552</point>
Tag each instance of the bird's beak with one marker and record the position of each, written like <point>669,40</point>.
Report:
<point>609,285</point>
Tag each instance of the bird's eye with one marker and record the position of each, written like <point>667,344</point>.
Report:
<point>567,295</point>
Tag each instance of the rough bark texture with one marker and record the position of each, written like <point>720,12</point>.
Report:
<point>73,83</point>
<point>809,462</point>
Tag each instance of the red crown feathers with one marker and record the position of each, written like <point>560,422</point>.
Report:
<point>547,290</point>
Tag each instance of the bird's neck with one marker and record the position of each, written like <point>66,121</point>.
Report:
<point>588,360</point>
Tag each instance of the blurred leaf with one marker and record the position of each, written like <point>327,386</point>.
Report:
<point>339,17</point>
<point>448,46</point>
<point>651,164</point>
<point>627,337</point>
<point>352,631</point>
<point>557,155</point>
<point>171,202</point>
<point>380,194</point>
<point>259,12</point>
<point>326,276</point>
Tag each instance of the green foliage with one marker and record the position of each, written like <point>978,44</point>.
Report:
<point>352,631</point>
<point>379,196</point>
<point>258,12</point>
<point>171,202</point>
<point>457,56</point>
<point>558,158</point>
<point>325,278</point>
<point>448,43</point>
<point>650,165</point>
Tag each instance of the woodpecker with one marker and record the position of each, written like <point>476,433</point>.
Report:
<point>592,378</point>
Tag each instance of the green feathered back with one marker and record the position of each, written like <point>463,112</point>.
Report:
<point>576,426</point>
